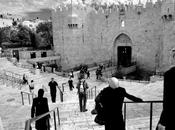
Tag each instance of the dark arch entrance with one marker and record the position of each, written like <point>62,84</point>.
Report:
<point>123,50</point>
<point>124,56</point>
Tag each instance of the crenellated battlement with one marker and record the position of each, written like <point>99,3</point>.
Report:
<point>117,8</point>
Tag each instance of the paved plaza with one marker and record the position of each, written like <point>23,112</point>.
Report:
<point>13,114</point>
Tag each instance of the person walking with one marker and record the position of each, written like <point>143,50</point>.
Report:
<point>25,81</point>
<point>53,89</point>
<point>31,86</point>
<point>88,74</point>
<point>111,99</point>
<point>39,107</point>
<point>70,82</point>
<point>82,87</point>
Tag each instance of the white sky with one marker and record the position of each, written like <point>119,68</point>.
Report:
<point>21,6</point>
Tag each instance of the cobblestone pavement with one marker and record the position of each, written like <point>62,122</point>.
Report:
<point>13,114</point>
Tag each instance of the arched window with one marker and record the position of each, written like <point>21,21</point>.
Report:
<point>122,23</point>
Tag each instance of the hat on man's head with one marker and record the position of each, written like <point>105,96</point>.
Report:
<point>113,82</point>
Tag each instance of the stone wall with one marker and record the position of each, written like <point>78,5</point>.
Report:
<point>94,39</point>
<point>26,54</point>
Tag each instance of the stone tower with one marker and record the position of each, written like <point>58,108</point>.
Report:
<point>88,33</point>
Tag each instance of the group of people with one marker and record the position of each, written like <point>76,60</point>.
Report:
<point>40,106</point>
<point>40,103</point>
<point>98,72</point>
<point>84,72</point>
<point>108,103</point>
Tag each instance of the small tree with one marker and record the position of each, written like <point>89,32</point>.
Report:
<point>24,35</point>
<point>5,34</point>
<point>44,29</point>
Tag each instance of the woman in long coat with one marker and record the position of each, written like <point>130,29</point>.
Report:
<point>112,99</point>
<point>39,107</point>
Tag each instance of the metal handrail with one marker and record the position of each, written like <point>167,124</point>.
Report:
<point>63,86</point>
<point>151,109</point>
<point>29,95</point>
<point>90,92</point>
<point>30,121</point>
<point>91,95</point>
<point>14,79</point>
<point>61,94</point>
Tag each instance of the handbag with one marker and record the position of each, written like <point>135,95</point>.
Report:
<point>99,119</point>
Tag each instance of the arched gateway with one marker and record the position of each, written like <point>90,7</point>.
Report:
<point>122,50</point>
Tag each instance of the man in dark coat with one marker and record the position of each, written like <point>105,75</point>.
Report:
<point>166,119</point>
<point>39,107</point>
<point>111,100</point>
<point>53,89</point>
<point>70,82</point>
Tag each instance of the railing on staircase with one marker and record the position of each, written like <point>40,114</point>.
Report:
<point>12,78</point>
<point>150,110</point>
<point>63,86</point>
<point>56,119</point>
<point>61,94</point>
<point>92,93</point>
<point>30,97</point>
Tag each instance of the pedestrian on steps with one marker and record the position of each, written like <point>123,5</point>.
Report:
<point>31,86</point>
<point>70,82</point>
<point>53,89</point>
<point>39,107</point>
<point>111,100</point>
<point>82,87</point>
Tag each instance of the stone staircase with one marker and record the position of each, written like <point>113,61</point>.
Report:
<point>70,116</point>
<point>14,115</point>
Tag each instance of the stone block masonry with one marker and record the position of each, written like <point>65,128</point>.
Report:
<point>85,35</point>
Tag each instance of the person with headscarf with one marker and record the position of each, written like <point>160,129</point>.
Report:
<point>39,107</point>
<point>111,100</point>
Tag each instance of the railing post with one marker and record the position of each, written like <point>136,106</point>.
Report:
<point>54,120</point>
<point>22,98</point>
<point>95,91</point>
<point>91,93</point>
<point>27,125</point>
<point>151,114</point>
<point>58,114</point>
<point>61,96</point>
<point>29,98</point>
<point>124,114</point>
<point>63,87</point>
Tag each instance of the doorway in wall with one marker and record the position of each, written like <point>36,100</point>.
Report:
<point>33,55</point>
<point>124,55</point>
<point>16,54</point>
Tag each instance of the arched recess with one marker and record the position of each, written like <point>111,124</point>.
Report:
<point>122,50</point>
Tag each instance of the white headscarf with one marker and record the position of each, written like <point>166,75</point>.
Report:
<point>113,82</point>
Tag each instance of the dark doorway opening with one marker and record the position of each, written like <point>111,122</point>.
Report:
<point>33,55</point>
<point>124,56</point>
<point>16,54</point>
<point>43,54</point>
